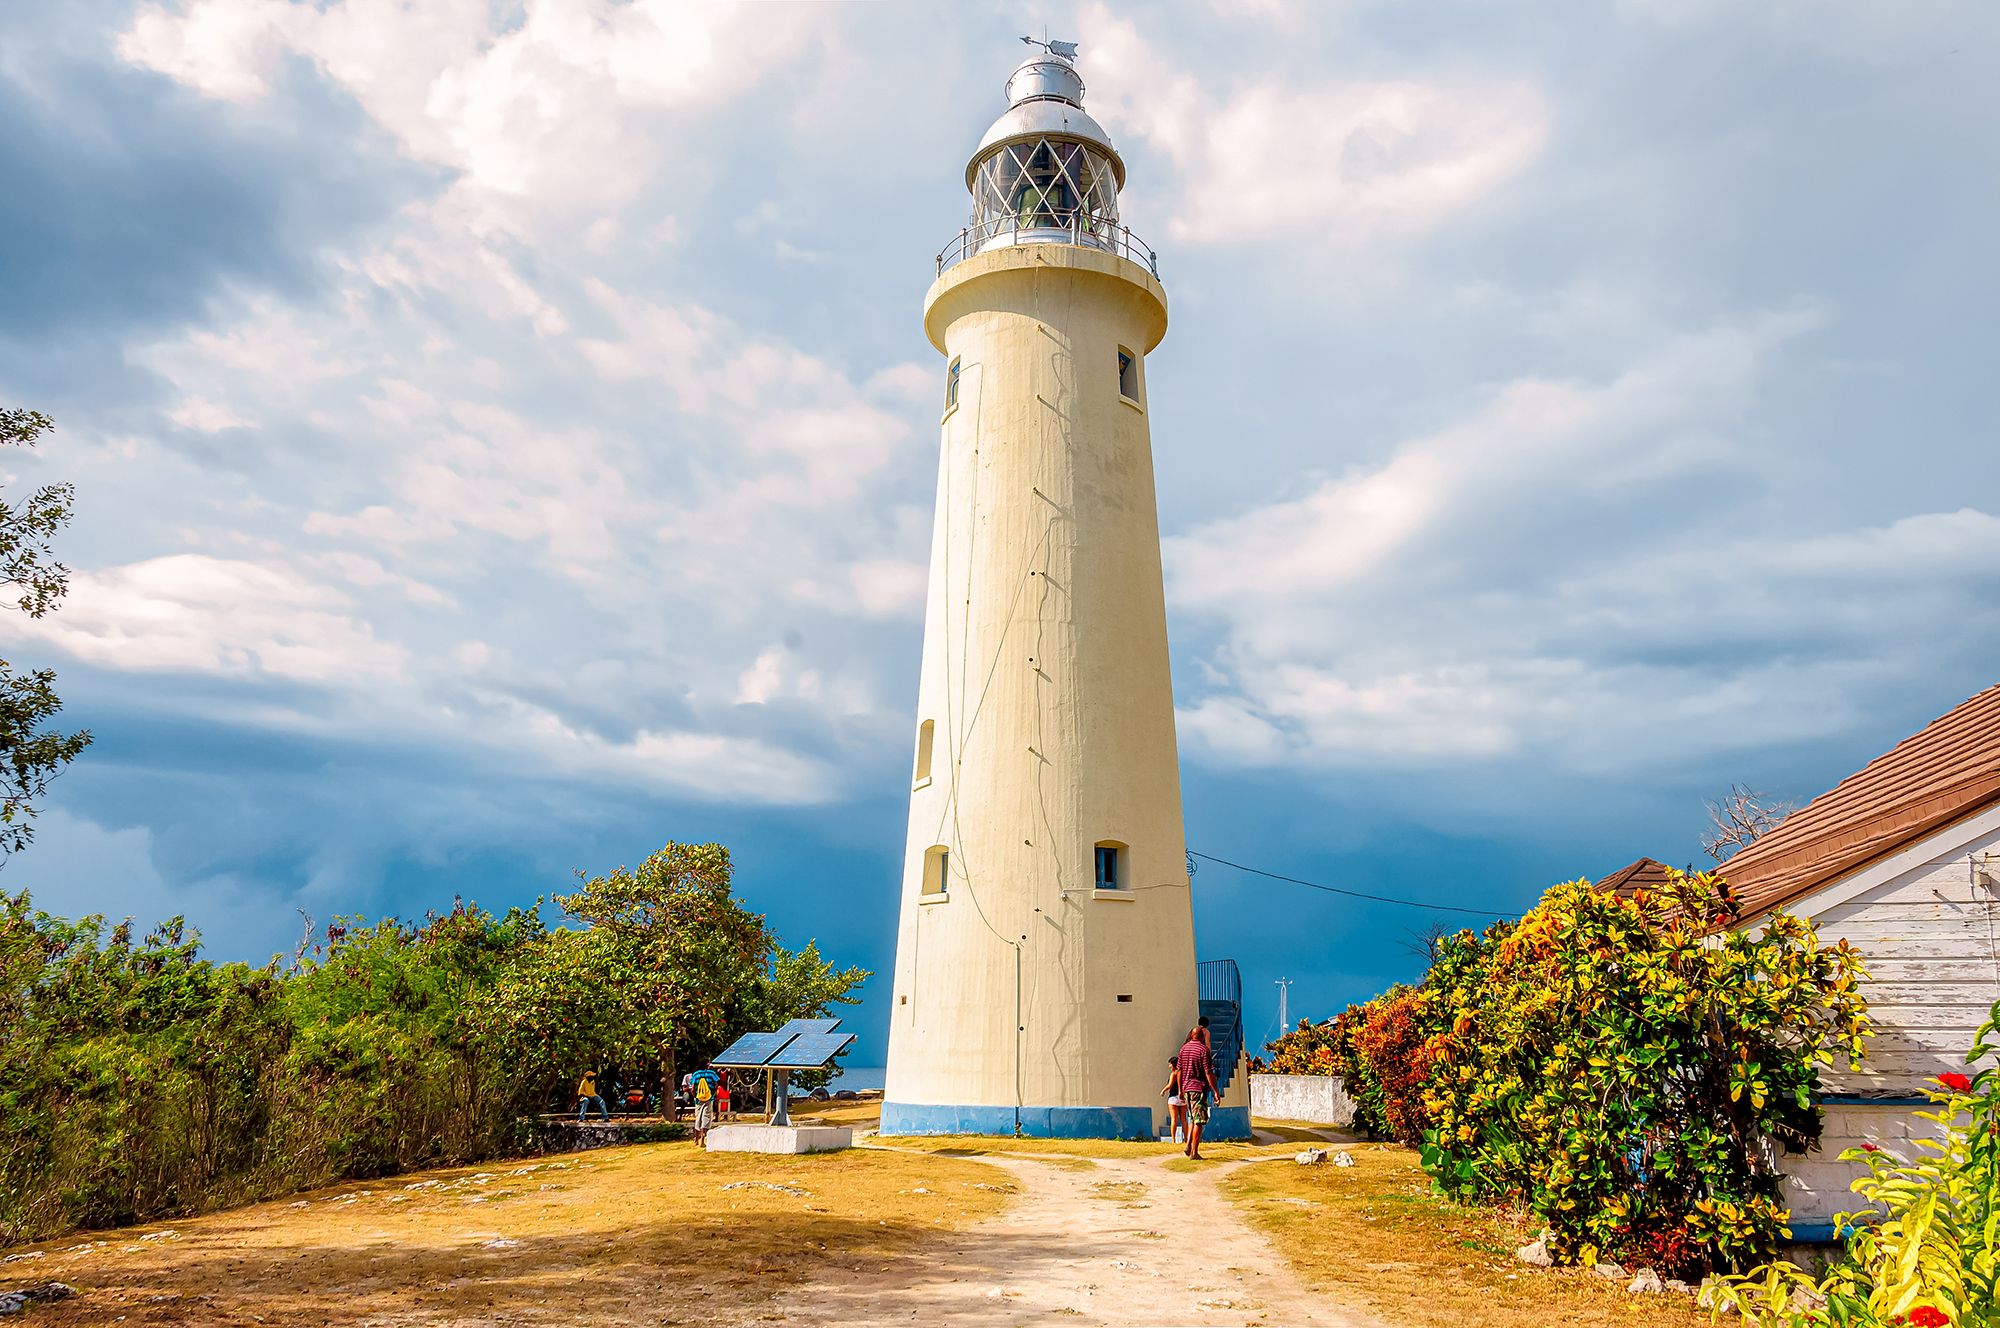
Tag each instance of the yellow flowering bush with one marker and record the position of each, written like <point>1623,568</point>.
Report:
<point>1623,1066</point>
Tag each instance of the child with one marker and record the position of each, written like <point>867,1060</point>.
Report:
<point>722,1097</point>
<point>1173,1095</point>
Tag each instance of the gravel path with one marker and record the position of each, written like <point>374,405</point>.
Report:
<point>1124,1242</point>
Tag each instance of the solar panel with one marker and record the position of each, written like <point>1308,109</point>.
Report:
<point>810,1026</point>
<point>809,1051</point>
<point>753,1050</point>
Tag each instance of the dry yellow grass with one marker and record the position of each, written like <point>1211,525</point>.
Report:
<point>655,1234</point>
<point>1375,1235</point>
<point>864,1114</point>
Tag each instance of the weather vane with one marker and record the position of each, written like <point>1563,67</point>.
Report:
<point>1059,49</point>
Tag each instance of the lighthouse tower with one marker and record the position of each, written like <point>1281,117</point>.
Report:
<point>1045,961</point>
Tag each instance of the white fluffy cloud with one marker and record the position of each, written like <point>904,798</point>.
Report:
<point>1342,162</point>
<point>198,613</point>
<point>554,108</point>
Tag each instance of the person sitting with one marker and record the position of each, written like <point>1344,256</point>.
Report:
<point>587,1094</point>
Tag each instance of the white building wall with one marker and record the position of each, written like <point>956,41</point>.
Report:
<point>1928,928</point>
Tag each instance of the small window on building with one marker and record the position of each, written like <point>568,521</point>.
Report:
<point>1108,865</point>
<point>936,860</point>
<point>1128,374</point>
<point>951,385</point>
<point>924,734</point>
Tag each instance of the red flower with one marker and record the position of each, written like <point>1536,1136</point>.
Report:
<point>1870,1148</point>
<point>1957,1083</point>
<point>1930,1316</point>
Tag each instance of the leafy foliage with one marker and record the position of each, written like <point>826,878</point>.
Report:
<point>1926,1249</point>
<point>1341,1046</point>
<point>1625,1068</point>
<point>31,754</point>
<point>139,1079</point>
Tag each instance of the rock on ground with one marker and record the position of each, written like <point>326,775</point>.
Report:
<point>13,1302</point>
<point>1646,1283</point>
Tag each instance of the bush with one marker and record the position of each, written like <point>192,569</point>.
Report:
<point>1334,1048</point>
<point>138,1079</point>
<point>1926,1249</point>
<point>1625,1066</point>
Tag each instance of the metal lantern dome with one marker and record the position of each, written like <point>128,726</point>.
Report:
<point>1045,171</point>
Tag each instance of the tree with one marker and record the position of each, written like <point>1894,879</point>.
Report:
<point>676,945</point>
<point>31,754</point>
<point>802,984</point>
<point>1741,817</point>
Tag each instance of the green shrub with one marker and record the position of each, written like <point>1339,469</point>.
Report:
<point>139,1080</point>
<point>1925,1249</point>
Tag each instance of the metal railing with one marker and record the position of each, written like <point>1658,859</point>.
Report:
<point>1076,228</point>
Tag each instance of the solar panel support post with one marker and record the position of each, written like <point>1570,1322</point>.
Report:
<point>780,1115</point>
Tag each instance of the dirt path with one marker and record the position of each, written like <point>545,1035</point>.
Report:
<point>1121,1242</point>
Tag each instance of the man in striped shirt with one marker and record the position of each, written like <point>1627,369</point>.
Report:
<point>1197,1083</point>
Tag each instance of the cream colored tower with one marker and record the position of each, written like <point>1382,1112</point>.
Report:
<point>1045,967</point>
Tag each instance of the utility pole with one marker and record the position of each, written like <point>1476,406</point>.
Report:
<point>1284,986</point>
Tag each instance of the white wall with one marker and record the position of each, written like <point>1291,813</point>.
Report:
<point>1319,1098</point>
<point>1929,933</point>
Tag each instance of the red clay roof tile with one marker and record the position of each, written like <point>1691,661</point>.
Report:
<point>1946,772</point>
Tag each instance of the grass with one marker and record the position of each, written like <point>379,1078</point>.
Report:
<point>1375,1235</point>
<point>653,1234</point>
<point>864,1114</point>
<point>1124,1193</point>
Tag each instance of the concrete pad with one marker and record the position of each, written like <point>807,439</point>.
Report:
<point>779,1138</point>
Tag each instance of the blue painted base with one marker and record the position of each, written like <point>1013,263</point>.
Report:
<point>1228,1123</point>
<point>1035,1122</point>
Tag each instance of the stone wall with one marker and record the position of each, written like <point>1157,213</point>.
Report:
<point>1319,1098</point>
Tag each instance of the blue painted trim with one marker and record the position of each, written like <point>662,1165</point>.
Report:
<point>1036,1122</point>
<point>1812,1233</point>
<point>1860,1100</point>
<point>1230,1123</point>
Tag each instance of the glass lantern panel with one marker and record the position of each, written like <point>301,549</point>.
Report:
<point>1053,184</point>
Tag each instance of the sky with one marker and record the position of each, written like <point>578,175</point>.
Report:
<point>505,438</point>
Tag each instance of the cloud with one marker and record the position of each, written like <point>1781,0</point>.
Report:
<point>550,108</point>
<point>129,206</point>
<point>1575,575</point>
<point>80,867</point>
<point>1345,161</point>
<point>194,612</point>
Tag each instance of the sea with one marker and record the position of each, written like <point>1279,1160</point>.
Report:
<point>860,1078</point>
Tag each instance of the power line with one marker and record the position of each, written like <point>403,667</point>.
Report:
<point>1351,894</point>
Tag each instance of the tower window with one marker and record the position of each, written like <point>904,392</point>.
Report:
<point>1107,866</point>
<point>936,859</point>
<point>951,385</point>
<point>1128,374</point>
<point>925,731</point>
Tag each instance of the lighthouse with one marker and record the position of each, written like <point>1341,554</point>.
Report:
<point>1045,957</point>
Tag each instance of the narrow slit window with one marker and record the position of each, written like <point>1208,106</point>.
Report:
<point>936,860</point>
<point>1107,866</point>
<point>1128,374</point>
<point>951,385</point>
<point>925,733</point>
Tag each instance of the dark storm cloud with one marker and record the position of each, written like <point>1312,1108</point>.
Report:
<point>126,201</point>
